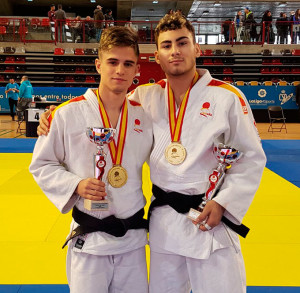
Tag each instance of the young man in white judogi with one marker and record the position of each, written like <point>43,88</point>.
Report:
<point>189,111</point>
<point>203,257</point>
<point>62,165</point>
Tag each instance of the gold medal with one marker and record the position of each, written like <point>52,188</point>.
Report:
<point>117,176</point>
<point>175,153</point>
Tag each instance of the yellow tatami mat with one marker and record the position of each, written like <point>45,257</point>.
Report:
<point>33,231</point>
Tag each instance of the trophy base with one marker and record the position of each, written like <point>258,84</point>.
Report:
<point>193,214</point>
<point>96,205</point>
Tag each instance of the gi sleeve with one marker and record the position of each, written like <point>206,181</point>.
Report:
<point>48,168</point>
<point>243,178</point>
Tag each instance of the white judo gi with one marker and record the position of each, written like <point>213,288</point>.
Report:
<point>65,157</point>
<point>182,255</point>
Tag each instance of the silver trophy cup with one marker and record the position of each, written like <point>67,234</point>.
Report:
<point>100,136</point>
<point>225,156</point>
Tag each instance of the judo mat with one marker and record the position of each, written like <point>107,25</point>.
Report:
<point>33,230</point>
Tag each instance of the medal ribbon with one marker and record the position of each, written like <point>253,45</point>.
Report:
<point>176,122</point>
<point>116,152</point>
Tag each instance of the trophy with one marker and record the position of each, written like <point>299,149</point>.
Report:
<point>225,156</point>
<point>100,136</point>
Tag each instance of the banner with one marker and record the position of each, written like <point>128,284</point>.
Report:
<point>260,97</point>
<point>50,93</point>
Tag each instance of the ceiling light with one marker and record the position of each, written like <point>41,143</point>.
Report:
<point>155,2</point>
<point>147,19</point>
<point>217,4</point>
<point>29,0</point>
<point>93,1</point>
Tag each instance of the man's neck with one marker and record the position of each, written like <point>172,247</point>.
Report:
<point>112,103</point>
<point>180,84</point>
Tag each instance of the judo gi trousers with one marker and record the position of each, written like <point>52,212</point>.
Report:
<point>222,272</point>
<point>120,273</point>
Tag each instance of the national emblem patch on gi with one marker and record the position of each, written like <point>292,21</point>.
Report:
<point>137,126</point>
<point>206,110</point>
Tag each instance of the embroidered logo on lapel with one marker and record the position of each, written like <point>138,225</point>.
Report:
<point>205,111</point>
<point>137,124</point>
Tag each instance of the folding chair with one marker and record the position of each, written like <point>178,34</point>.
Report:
<point>240,83</point>
<point>276,115</point>
<point>253,83</point>
<point>295,83</point>
<point>282,83</point>
<point>22,105</point>
<point>268,83</point>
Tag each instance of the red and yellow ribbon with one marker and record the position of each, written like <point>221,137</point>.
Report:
<point>176,122</point>
<point>116,151</point>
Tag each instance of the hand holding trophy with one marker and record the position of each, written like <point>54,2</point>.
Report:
<point>100,136</point>
<point>225,156</point>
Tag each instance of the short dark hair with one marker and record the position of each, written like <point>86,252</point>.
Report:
<point>119,36</point>
<point>59,6</point>
<point>173,22</point>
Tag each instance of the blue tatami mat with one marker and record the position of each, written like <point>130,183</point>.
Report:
<point>283,158</point>
<point>65,289</point>
<point>34,289</point>
<point>17,145</point>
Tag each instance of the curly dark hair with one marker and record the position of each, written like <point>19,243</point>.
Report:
<point>171,22</point>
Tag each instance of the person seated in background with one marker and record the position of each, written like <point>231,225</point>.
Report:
<point>109,20</point>
<point>90,31</point>
<point>76,27</point>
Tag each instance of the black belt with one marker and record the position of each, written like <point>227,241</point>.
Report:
<point>111,225</point>
<point>182,204</point>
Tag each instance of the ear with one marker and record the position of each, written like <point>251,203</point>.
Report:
<point>157,57</point>
<point>98,65</point>
<point>138,69</point>
<point>197,50</point>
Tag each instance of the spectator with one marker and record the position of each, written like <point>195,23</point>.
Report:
<point>238,25</point>
<point>296,26</point>
<point>226,29</point>
<point>60,16</point>
<point>109,20</point>
<point>11,90</point>
<point>90,32</point>
<point>266,21</point>
<point>51,13</point>
<point>290,18</point>
<point>76,26</point>
<point>51,16</point>
<point>98,18</point>
<point>25,97</point>
<point>170,11</point>
<point>248,24</point>
<point>282,26</point>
